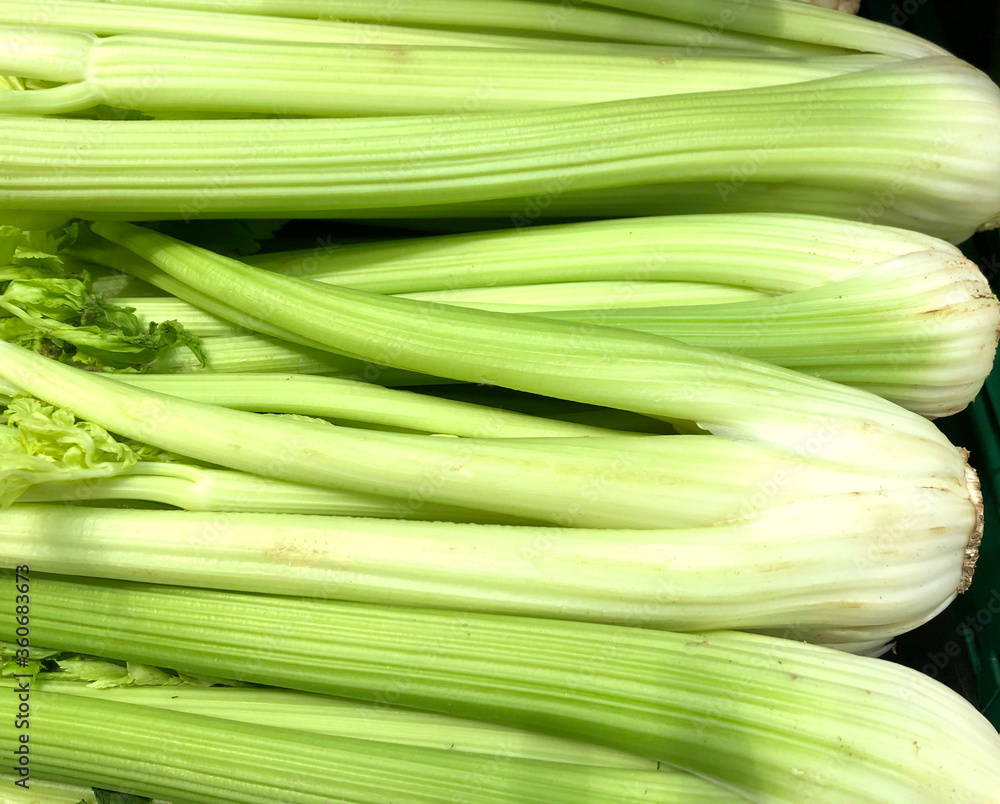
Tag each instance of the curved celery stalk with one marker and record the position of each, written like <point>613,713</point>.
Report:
<point>515,298</point>
<point>584,363</point>
<point>194,488</point>
<point>772,720</point>
<point>761,251</point>
<point>347,400</point>
<point>257,353</point>
<point>858,134</point>
<point>323,714</point>
<point>620,481</point>
<point>154,74</point>
<point>185,757</point>
<point>836,569</point>
<point>920,330</point>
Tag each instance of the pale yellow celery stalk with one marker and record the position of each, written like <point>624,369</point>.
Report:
<point>834,569</point>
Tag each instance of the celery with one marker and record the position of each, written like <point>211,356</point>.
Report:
<point>351,401</point>
<point>256,353</point>
<point>29,16</point>
<point>487,15</point>
<point>618,481</point>
<point>723,393</point>
<point>322,714</point>
<point>769,719</point>
<point>154,75</point>
<point>765,252</point>
<point>827,570</point>
<point>920,330</point>
<point>195,758</point>
<point>515,298</point>
<point>758,25</point>
<point>195,488</point>
<point>859,135</point>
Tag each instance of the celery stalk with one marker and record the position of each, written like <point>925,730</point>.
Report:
<point>515,298</point>
<point>194,758</point>
<point>323,714</point>
<point>723,393</point>
<point>29,16</point>
<point>517,16</point>
<point>351,401</point>
<point>920,330</point>
<point>861,135</point>
<point>618,481</point>
<point>195,488</point>
<point>769,719</point>
<point>256,353</point>
<point>835,569</point>
<point>154,74</point>
<point>98,17</point>
<point>763,251</point>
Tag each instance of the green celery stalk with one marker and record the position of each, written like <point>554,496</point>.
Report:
<point>153,74</point>
<point>28,16</point>
<point>323,714</point>
<point>835,569</point>
<point>771,720</point>
<point>757,251</point>
<point>195,488</point>
<point>648,375</point>
<point>134,18</point>
<point>196,759</point>
<point>239,354</point>
<point>515,16</point>
<point>351,401</point>
<point>919,330</point>
<point>859,135</point>
<point>599,482</point>
<point>516,298</point>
